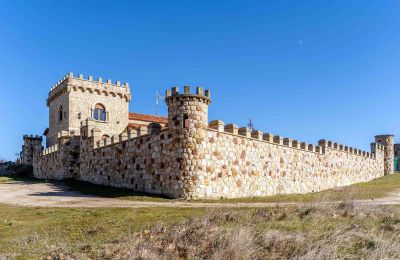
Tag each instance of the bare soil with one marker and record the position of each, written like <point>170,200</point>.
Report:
<point>58,195</point>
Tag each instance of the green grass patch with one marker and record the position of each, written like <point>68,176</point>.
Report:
<point>111,192</point>
<point>4,179</point>
<point>374,189</point>
<point>28,233</point>
<point>13,179</point>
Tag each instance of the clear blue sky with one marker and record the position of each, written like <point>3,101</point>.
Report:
<point>301,69</point>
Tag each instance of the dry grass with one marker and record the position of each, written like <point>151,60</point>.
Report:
<point>317,231</point>
<point>342,232</point>
<point>311,233</point>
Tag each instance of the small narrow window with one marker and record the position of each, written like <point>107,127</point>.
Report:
<point>185,121</point>
<point>99,113</point>
<point>60,114</point>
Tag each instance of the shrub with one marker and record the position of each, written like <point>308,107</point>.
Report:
<point>17,169</point>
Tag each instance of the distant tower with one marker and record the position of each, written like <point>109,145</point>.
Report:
<point>32,147</point>
<point>188,121</point>
<point>74,99</point>
<point>388,142</point>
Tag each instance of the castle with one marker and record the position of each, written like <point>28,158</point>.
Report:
<point>92,137</point>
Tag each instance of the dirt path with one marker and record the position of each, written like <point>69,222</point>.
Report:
<point>57,195</point>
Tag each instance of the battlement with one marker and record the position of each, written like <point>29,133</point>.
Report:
<point>201,94</point>
<point>71,83</point>
<point>344,148</point>
<point>99,80</point>
<point>140,132</point>
<point>33,137</point>
<point>384,136</point>
<point>233,129</point>
<point>218,125</point>
<point>50,150</point>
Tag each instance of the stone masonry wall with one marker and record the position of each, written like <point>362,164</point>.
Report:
<point>388,142</point>
<point>60,161</point>
<point>193,159</point>
<point>32,145</point>
<point>233,166</point>
<point>148,163</point>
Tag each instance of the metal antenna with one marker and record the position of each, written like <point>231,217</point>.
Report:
<point>250,125</point>
<point>158,98</point>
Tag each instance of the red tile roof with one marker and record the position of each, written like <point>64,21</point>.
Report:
<point>148,118</point>
<point>134,125</point>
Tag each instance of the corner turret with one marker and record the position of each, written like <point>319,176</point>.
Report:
<point>188,122</point>
<point>187,110</point>
<point>387,141</point>
<point>31,148</point>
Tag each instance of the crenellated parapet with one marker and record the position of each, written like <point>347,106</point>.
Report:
<point>97,87</point>
<point>187,110</point>
<point>233,129</point>
<point>200,95</point>
<point>50,150</point>
<point>347,149</point>
<point>33,137</point>
<point>131,134</point>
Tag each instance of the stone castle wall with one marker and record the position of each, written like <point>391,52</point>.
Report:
<point>55,125</point>
<point>194,159</point>
<point>232,166</point>
<point>229,165</point>
<point>147,161</point>
<point>60,161</point>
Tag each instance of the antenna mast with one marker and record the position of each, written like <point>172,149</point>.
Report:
<point>250,125</point>
<point>158,98</point>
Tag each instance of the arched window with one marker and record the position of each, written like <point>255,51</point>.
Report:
<point>99,113</point>
<point>60,114</point>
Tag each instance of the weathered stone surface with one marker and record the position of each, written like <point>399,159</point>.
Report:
<point>191,158</point>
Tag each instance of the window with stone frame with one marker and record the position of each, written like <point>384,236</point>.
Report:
<point>100,113</point>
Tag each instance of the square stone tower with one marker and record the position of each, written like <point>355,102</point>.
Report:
<point>32,146</point>
<point>74,99</point>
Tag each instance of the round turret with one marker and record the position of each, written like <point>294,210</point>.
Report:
<point>188,122</point>
<point>388,143</point>
<point>187,110</point>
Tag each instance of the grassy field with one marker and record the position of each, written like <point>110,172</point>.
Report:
<point>374,189</point>
<point>312,232</point>
<point>341,232</point>
<point>31,233</point>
